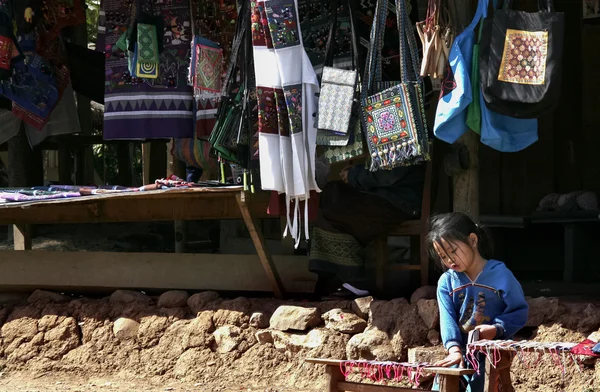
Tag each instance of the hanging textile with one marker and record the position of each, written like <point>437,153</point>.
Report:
<point>147,108</point>
<point>286,88</point>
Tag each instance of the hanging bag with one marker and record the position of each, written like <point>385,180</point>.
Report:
<point>394,118</point>
<point>474,109</point>
<point>457,91</point>
<point>521,60</point>
<point>338,90</point>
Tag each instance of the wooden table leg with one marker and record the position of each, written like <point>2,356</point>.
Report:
<point>334,375</point>
<point>259,244</point>
<point>448,383</point>
<point>22,237</point>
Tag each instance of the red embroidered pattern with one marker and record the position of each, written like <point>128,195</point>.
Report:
<point>524,57</point>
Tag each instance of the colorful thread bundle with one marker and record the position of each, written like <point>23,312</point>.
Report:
<point>383,371</point>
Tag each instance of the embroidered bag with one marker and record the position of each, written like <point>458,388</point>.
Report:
<point>338,86</point>
<point>147,57</point>
<point>206,68</point>
<point>521,60</point>
<point>394,119</point>
<point>457,92</point>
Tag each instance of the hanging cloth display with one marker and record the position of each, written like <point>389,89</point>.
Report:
<point>457,93</point>
<point>394,118</point>
<point>500,132</point>
<point>338,90</point>
<point>147,108</point>
<point>521,60</point>
<point>286,94</point>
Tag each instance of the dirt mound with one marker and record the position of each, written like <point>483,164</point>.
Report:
<point>220,343</point>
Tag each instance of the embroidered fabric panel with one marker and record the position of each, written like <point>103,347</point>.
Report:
<point>283,23</point>
<point>209,69</point>
<point>388,121</point>
<point>293,99</point>
<point>260,26</point>
<point>283,121</point>
<point>524,57</point>
<point>267,110</point>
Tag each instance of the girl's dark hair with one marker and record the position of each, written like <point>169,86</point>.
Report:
<point>457,227</point>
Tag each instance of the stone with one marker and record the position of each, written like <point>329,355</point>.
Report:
<point>294,318</point>
<point>429,312</point>
<point>173,299</point>
<point>426,354</point>
<point>423,292</point>
<point>227,338</point>
<point>42,297</point>
<point>199,332</point>
<point>125,329</point>
<point>344,322</point>
<point>151,329</point>
<point>362,306</point>
<point>230,317</point>
<point>370,345</point>
<point>199,301</point>
<point>61,339</point>
<point>264,337</point>
<point>594,336</point>
<point>542,310</point>
<point>590,318</point>
<point>295,342</point>
<point>434,337</point>
<point>129,297</point>
<point>259,320</point>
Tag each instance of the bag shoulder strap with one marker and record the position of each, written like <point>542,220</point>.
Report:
<point>331,38</point>
<point>372,71</point>
<point>241,28</point>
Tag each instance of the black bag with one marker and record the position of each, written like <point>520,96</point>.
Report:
<point>521,60</point>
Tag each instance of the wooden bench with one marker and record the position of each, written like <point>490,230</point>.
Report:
<point>448,378</point>
<point>417,231</point>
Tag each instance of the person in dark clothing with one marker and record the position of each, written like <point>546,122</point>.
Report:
<point>353,213</point>
<point>193,174</point>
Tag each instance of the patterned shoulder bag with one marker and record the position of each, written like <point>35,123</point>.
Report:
<point>394,118</point>
<point>338,89</point>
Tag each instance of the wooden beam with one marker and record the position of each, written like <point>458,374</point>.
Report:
<point>151,271</point>
<point>135,207</point>
<point>259,244</point>
<point>356,387</point>
<point>429,370</point>
<point>334,377</point>
<point>448,383</point>
<point>22,237</point>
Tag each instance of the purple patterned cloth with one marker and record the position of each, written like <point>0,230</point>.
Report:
<point>21,197</point>
<point>137,108</point>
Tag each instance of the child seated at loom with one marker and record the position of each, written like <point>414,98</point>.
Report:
<point>474,293</point>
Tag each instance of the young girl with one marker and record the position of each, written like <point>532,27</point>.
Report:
<point>474,293</point>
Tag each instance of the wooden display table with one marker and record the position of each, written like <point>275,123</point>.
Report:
<point>175,204</point>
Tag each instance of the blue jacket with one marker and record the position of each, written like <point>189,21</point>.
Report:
<point>494,298</point>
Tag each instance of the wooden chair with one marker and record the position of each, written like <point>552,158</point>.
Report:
<point>449,379</point>
<point>417,231</point>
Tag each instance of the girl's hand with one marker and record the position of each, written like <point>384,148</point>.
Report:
<point>455,357</point>
<point>486,332</point>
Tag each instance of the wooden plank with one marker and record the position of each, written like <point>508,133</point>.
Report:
<point>355,387</point>
<point>429,370</point>
<point>259,243</point>
<point>22,237</point>
<point>134,207</point>
<point>151,271</point>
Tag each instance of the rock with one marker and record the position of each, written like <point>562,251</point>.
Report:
<point>198,332</point>
<point>426,354</point>
<point>294,318</point>
<point>362,306</point>
<point>187,363</point>
<point>173,299</point>
<point>595,336</point>
<point>125,328</point>
<point>21,325</point>
<point>344,322</point>
<point>590,318</point>
<point>541,310</point>
<point>370,345</point>
<point>423,292</point>
<point>294,342</point>
<point>151,329</point>
<point>259,320</point>
<point>230,317</point>
<point>199,301</point>
<point>129,297</point>
<point>61,339</point>
<point>227,338</point>
<point>43,297</point>
<point>264,337</point>
<point>429,312</point>
<point>434,337</point>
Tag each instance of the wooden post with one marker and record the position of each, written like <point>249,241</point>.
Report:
<point>334,375</point>
<point>22,237</point>
<point>448,383</point>
<point>466,183</point>
<point>259,243</point>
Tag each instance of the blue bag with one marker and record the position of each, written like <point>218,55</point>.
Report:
<point>457,91</point>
